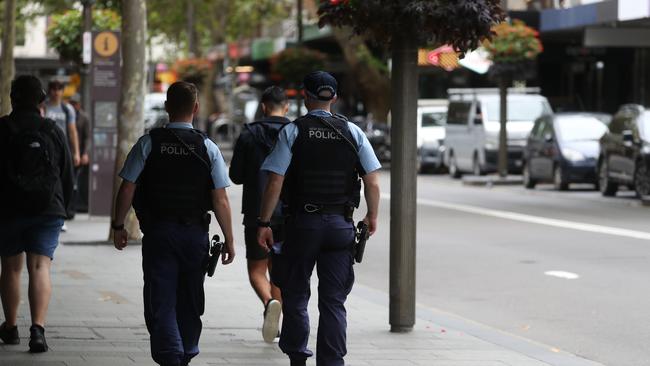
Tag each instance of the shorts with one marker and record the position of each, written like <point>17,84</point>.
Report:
<point>36,235</point>
<point>254,251</point>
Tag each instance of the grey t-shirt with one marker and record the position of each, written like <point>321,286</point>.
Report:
<point>56,113</point>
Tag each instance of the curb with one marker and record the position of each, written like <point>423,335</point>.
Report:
<point>489,181</point>
<point>512,342</point>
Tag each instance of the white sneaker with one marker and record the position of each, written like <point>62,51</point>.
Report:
<point>271,320</point>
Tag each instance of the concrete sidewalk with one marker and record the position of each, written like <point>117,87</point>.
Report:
<point>96,319</point>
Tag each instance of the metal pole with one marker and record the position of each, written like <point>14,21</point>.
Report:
<point>300,40</point>
<point>85,69</point>
<point>599,85</point>
<point>503,132</point>
<point>403,184</point>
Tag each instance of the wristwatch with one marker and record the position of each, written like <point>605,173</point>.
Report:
<point>261,223</point>
<point>116,227</point>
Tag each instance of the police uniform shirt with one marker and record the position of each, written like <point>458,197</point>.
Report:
<point>280,158</point>
<point>137,158</point>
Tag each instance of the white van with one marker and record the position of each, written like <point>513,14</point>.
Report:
<point>472,131</point>
<point>432,117</point>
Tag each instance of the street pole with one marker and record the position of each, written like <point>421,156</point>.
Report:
<point>85,68</point>
<point>299,23</point>
<point>503,131</point>
<point>403,183</point>
<point>300,40</point>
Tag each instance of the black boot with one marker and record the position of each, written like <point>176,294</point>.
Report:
<point>37,343</point>
<point>9,335</point>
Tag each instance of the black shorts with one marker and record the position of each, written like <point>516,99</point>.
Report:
<point>254,251</point>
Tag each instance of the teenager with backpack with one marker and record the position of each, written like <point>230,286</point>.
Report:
<point>36,183</point>
<point>63,114</point>
<point>253,146</point>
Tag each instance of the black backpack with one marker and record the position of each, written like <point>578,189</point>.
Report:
<point>31,173</point>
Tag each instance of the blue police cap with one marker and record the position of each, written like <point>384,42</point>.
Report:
<point>320,85</point>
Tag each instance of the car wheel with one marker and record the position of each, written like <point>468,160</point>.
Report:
<point>476,166</point>
<point>558,179</point>
<point>607,187</point>
<point>641,179</point>
<point>453,168</point>
<point>529,183</point>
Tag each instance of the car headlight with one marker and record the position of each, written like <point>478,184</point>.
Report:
<point>572,155</point>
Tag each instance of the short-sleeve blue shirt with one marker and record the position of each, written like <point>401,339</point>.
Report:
<point>278,161</point>
<point>137,157</point>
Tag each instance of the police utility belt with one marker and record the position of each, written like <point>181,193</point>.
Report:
<point>198,219</point>
<point>323,209</point>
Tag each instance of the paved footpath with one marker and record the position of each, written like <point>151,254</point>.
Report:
<point>96,319</point>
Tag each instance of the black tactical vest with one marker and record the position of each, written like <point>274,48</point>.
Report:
<point>324,167</point>
<point>175,182</point>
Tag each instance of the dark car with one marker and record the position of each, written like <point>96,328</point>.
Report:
<point>626,152</point>
<point>378,135</point>
<point>563,149</point>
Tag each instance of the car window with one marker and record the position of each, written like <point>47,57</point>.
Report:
<point>537,128</point>
<point>519,110</point>
<point>458,113</point>
<point>644,122</point>
<point>547,128</point>
<point>433,119</point>
<point>579,128</point>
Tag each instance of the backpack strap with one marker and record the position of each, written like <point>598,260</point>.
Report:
<point>65,109</point>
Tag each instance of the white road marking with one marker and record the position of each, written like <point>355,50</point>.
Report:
<point>565,224</point>
<point>562,274</point>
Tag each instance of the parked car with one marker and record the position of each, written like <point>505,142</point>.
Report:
<point>472,130</point>
<point>625,152</point>
<point>432,118</point>
<point>154,111</point>
<point>378,135</point>
<point>563,149</point>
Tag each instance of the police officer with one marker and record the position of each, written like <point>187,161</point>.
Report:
<point>315,166</point>
<point>176,175</point>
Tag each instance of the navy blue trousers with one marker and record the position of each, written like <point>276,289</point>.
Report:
<point>323,241</point>
<point>173,262</point>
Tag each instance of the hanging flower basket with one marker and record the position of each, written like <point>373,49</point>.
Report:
<point>514,49</point>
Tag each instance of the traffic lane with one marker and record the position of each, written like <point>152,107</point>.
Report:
<point>581,207</point>
<point>492,271</point>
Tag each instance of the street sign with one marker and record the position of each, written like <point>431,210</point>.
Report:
<point>106,44</point>
<point>87,51</point>
<point>105,75</point>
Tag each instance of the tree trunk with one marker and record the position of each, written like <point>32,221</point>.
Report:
<point>503,131</point>
<point>131,116</point>
<point>7,67</point>
<point>373,83</point>
<point>403,176</point>
<point>193,47</point>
